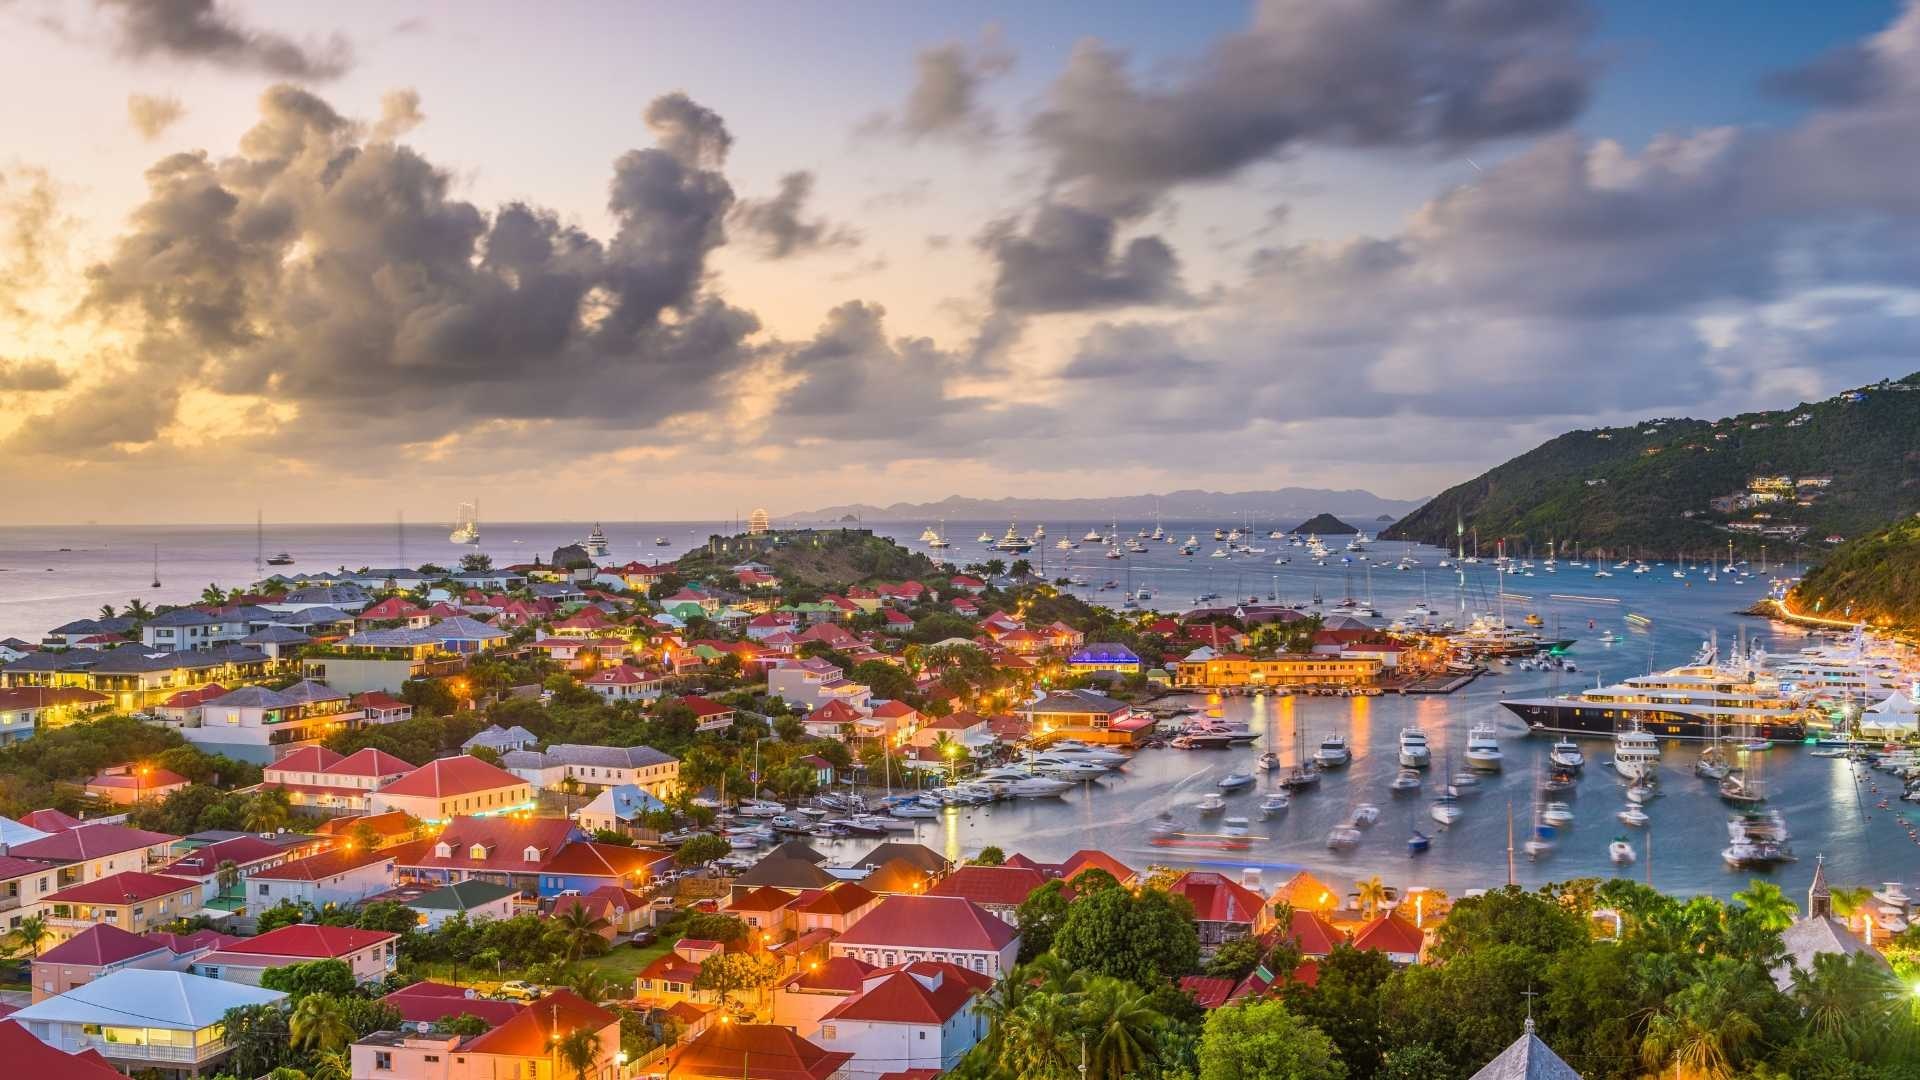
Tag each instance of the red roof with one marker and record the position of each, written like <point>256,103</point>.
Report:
<point>532,1033</point>
<point>764,898</point>
<point>50,821</point>
<point>310,759</point>
<point>391,823</point>
<point>307,941</point>
<point>30,1057</point>
<point>703,707</point>
<point>842,974</point>
<point>842,898</point>
<point>325,865</point>
<point>194,942</point>
<point>240,850</point>
<point>589,859</point>
<point>152,779</point>
<point>454,776</point>
<point>370,762</point>
<point>1313,934</point>
<point>1207,991</point>
<point>1002,886</point>
<point>836,711</point>
<point>924,993</point>
<point>126,887</point>
<point>194,698</point>
<point>622,675</point>
<point>391,608</point>
<point>762,1051</point>
<point>425,1002</point>
<point>378,700</point>
<point>97,946</point>
<point>945,922</point>
<point>1217,897</point>
<point>1390,934</point>
<point>12,867</point>
<point>504,841</point>
<point>1089,859</point>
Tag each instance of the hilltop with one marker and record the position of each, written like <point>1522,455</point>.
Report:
<point>1280,504</point>
<point>822,558</point>
<point>1325,525</point>
<point>1843,466</point>
<point>1873,578</point>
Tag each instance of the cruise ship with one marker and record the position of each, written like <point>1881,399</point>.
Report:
<point>596,543</point>
<point>1702,700</point>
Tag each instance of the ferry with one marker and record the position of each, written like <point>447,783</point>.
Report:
<point>1687,702</point>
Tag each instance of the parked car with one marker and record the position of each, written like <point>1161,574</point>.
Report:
<point>520,990</point>
<point>643,938</point>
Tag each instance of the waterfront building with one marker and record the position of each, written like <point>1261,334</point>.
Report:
<point>1088,717</point>
<point>1222,907</point>
<point>140,1019</point>
<point>1205,669</point>
<point>999,889</point>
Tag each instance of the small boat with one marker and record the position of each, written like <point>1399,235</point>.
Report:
<point>1464,781</point>
<point>1445,810</point>
<point>1737,790</point>
<point>1269,761</point>
<point>1557,813</point>
<point>1364,816</point>
<point>1234,826</point>
<point>1164,825</point>
<point>1333,752</point>
<point>1633,816</point>
<point>1620,851</point>
<point>281,559</point>
<point>1343,838</point>
<point>1483,748</point>
<point>1274,803</point>
<point>1234,781</point>
<point>1641,793</point>
<point>1300,778</point>
<point>1414,752</point>
<point>1418,842</point>
<point>1891,894</point>
<point>1407,781</point>
<point>661,541</point>
<point>1212,803</point>
<point>1756,745</point>
<point>914,809</point>
<point>1566,754</point>
<point>1635,753</point>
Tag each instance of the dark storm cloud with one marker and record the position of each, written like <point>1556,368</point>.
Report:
<point>779,225</point>
<point>944,102</point>
<point>31,376</point>
<point>1067,259</point>
<point>198,30</point>
<point>345,280</point>
<point>1372,73</point>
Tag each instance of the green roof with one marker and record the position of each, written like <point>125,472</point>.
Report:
<point>464,896</point>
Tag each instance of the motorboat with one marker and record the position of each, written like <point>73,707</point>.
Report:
<point>1483,748</point>
<point>1234,781</point>
<point>1275,802</point>
<point>1064,767</point>
<point>1405,782</point>
<point>1640,793</point>
<point>1333,752</point>
<point>1566,754</point>
<point>1364,816</point>
<point>1414,752</point>
<point>1558,783</point>
<point>1164,825</point>
<point>1269,761</point>
<point>914,808</point>
<point>1212,803</point>
<point>1557,813</point>
<point>1234,826</point>
<point>1633,816</point>
<point>1636,753</point>
<point>1621,852</point>
<point>1343,838</point>
<point>759,808</point>
<point>1075,750</point>
<point>1713,765</point>
<point>1445,810</point>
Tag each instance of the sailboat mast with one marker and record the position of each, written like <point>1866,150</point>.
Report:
<point>259,543</point>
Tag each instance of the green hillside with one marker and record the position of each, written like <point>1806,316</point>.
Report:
<point>1875,578</point>
<point>1629,490</point>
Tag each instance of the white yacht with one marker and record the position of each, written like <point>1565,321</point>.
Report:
<point>1414,752</point>
<point>1333,752</point>
<point>1065,768</point>
<point>1688,702</point>
<point>1636,754</point>
<point>596,543</point>
<point>1093,537</point>
<point>1483,748</point>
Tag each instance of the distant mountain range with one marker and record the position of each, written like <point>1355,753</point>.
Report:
<point>1282,508</point>
<point>1843,466</point>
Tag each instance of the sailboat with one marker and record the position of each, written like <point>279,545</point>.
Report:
<point>938,539</point>
<point>467,529</point>
<point>156,567</point>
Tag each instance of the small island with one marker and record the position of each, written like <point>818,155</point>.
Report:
<point>1324,525</point>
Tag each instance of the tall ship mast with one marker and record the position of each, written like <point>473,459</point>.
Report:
<point>467,529</point>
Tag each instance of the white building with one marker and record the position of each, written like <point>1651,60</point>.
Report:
<point>920,1017</point>
<point>341,876</point>
<point>142,1019</point>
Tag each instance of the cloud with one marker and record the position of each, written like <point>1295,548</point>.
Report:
<point>1067,259</point>
<point>29,233</point>
<point>399,113</point>
<point>944,102</point>
<point>692,133</point>
<point>31,376</point>
<point>342,282</point>
<point>152,114</point>
<point>779,227</point>
<point>197,30</point>
<point>1371,73</point>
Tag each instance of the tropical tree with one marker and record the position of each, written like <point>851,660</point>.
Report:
<point>1372,895</point>
<point>1263,1041</point>
<point>137,610</point>
<point>1706,1028</point>
<point>580,1050</point>
<point>1121,1027</point>
<point>334,1065</point>
<point>579,930</point>
<point>1768,904</point>
<point>213,594</point>
<point>700,848</point>
<point>1849,901</point>
<point>267,811</point>
<point>569,788</point>
<point>227,876</point>
<point>106,611</point>
<point>30,933</point>
<point>319,1023</point>
<point>1850,1000</point>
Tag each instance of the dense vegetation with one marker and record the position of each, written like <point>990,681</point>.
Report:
<point>1655,471</point>
<point>1686,989</point>
<point>50,769</point>
<point>823,558</point>
<point>1325,525</point>
<point>1875,578</point>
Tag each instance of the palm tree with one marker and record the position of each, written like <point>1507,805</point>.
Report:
<point>30,933</point>
<point>1372,895</point>
<point>569,787</point>
<point>577,927</point>
<point>580,1049</point>
<point>212,594</point>
<point>332,1065</point>
<point>106,611</point>
<point>137,609</point>
<point>1768,904</point>
<point>320,1024</point>
<point>267,811</point>
<point>1847,998</point>
<point>227,876</point>
<point>1849,902</point>
<point>1704,1031</point>
<point>1123,1025</point>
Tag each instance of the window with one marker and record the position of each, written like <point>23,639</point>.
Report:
<point>263,890</point>
<point>922,1034</point>
<point>829,1031</point>
<point>383,1059</point>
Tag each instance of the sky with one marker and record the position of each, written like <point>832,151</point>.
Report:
<point>653,261</point>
